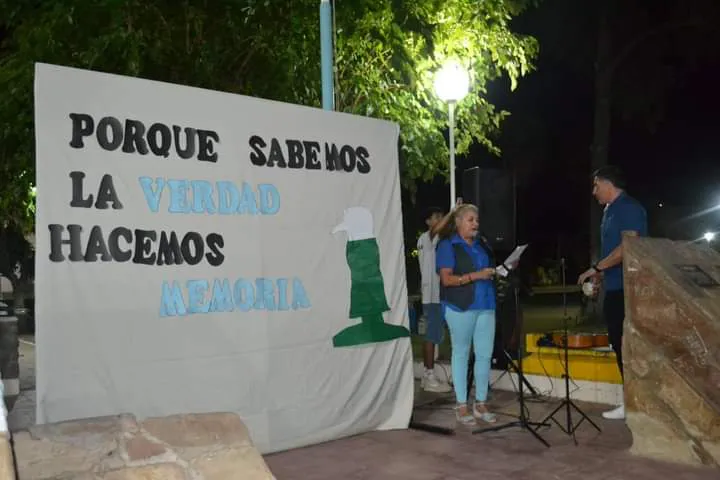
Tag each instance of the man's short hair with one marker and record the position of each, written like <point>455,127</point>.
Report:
<point>611,174</point>
<point>430,211</point>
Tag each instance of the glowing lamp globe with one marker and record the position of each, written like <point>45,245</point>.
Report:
<point>452,82</point>
<point>709,236</point>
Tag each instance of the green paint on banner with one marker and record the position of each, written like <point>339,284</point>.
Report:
<point>367,298</point>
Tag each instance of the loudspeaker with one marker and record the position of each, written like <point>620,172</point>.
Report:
<point>492,191</point>
<point>506,330</point>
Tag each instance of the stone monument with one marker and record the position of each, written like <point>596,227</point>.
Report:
<point>209,446</point>
<point>671,349</point>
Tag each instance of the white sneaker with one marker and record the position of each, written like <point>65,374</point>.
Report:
<point>615,414</point>
<point>430,383</point>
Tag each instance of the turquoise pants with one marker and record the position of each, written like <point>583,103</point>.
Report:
<point>475,327</point>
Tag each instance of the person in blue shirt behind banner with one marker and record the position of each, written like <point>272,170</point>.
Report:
<point>467,295</point>
<point>623,215</point>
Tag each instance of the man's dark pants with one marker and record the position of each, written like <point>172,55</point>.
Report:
<point>614,310</point>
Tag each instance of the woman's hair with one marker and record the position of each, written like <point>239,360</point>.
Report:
<point>450,227</point>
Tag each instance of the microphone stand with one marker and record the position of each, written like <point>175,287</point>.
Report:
<point>523,420</point>
<point>506,345</point>
<point>570,427</point>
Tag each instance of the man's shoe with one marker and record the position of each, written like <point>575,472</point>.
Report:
<point>430,383</point>
<point>615,414</point>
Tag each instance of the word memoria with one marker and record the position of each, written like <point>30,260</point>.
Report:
<point>198,296</point>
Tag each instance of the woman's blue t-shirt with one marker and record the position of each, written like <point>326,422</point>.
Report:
<point>484,289</point>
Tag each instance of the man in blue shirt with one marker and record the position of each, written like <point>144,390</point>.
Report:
<point>623,215</point>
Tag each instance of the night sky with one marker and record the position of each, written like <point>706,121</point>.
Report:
<point>666,95</point>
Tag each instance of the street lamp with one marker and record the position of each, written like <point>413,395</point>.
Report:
<point>451,85</point>
<point>709,236</point>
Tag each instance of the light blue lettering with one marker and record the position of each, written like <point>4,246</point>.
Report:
<point>172,303</point>
<point>269,199</point>
<point>300,298</point>
<point>152,195</point>
<point>228,198</point>
<point>282,285</point>
<point>203,197</point>
<point>221,297</point>
<point>247,201</point>
<point>244,295</point>
<point>178,196</point>
<point>196,296</point>
<point>264,294</point>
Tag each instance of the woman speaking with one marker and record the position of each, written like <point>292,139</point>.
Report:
<point>467,294</point>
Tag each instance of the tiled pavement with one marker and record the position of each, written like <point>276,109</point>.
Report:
<point>511,454</point>
<point>417,455</point>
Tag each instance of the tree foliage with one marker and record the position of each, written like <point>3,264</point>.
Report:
<point>386,53</point>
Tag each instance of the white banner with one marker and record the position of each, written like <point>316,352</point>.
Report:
<point>200,251</point>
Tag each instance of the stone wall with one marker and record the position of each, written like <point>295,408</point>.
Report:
<point>671,350</point>
<point>182,447</point>
<point>6,458</point>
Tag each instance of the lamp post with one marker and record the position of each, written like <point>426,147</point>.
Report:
<point>326,55</point>
<point>451,85</point>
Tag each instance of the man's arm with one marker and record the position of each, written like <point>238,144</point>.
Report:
<point>616,256</point>
<point>434,231</point>
<point>632,224</point>
<point>438,227</point>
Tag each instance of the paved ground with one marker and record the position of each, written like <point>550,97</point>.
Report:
<point>511,454</point>
<point>23,413</point>
<point>417,455</point>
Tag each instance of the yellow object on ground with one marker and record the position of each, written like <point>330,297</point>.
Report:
<point>585,364</point>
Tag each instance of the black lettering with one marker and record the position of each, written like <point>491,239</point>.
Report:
<point>57,242</point>
<point>77,191</point>
<point>189,149</point>
<point>332,158</point>
<point>276,155</point>
<point>82,126</point>
<point>295,154</point>
<point>107,194</point>
<point>193,255</point>
<point>161,149</point>
<point>169,252</point>
<point>134,138</point>
<point>114,244</point>
<point>311,155</point>
<point>96,246</point>
<point>257,157</point>
<point>116,131</point>
<point>347,158</point>
<point>206,151</point>
<point>215,242</point>
<point>363,166</point>
<point>143,247</point>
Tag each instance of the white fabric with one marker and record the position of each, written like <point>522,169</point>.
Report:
<point>108,342</point>
<point>358,223</point>
<point>430,280</point>
<point>3,409</point>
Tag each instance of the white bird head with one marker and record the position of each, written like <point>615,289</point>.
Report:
<point>357,222</point>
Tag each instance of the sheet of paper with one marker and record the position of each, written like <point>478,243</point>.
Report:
<point>504,269</point>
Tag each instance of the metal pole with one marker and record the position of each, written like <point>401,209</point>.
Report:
<point>451,121</point>
<point>326,55</point>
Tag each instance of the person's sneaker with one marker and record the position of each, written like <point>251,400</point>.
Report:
<point>430,383</point>
<point>615,414</point>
